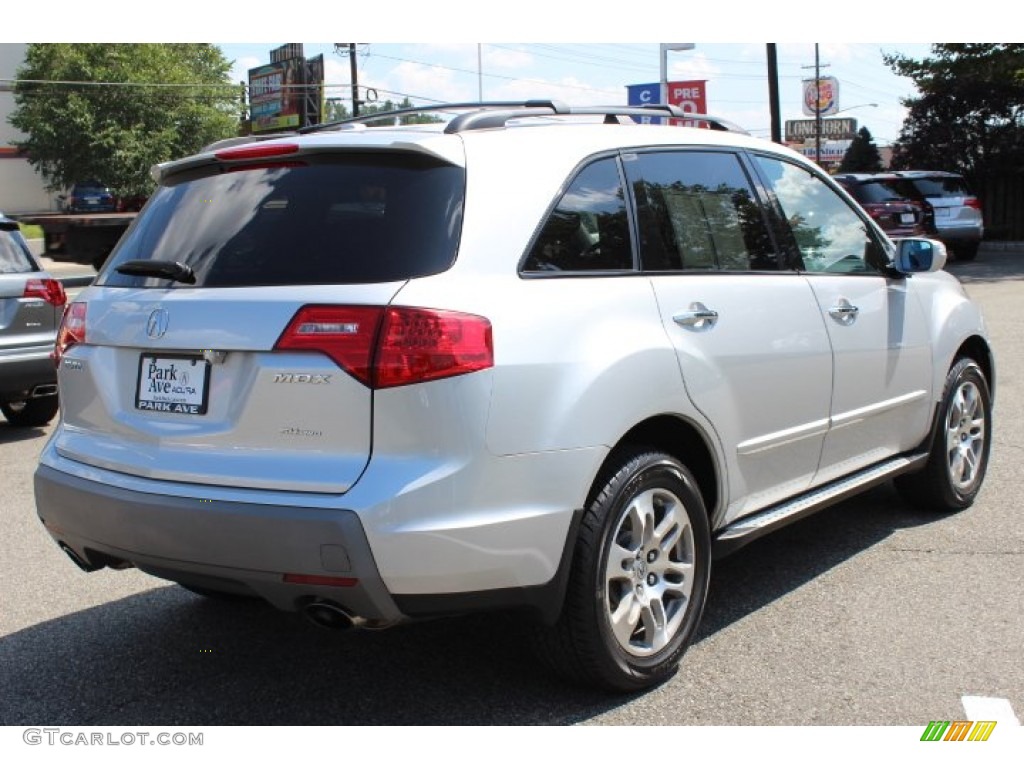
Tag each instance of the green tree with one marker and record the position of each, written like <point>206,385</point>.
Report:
<point>967,116</point>
<point>337,109</point>
<point>862,156</point>
<point>110,112</point>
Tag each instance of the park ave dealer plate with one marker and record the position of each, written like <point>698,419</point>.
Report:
<point>173,383</point>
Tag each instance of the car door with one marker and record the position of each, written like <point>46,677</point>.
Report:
<point>881,390</point>
<point>752,349</point>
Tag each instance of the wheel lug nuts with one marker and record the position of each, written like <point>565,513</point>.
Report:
<point>652,579</point>
<point>652,556</point>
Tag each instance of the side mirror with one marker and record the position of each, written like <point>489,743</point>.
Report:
<point>918,254</point>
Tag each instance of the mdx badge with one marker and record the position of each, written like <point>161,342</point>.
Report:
<point>302,378</point>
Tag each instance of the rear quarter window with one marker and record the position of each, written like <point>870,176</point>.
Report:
<point>371,217</point>
<point>15,256</point>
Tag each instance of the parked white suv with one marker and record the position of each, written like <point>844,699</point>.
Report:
<point>531,358</point>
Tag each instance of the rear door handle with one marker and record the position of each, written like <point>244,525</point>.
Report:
<point>697,317</point>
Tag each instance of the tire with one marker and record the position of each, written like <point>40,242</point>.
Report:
<point>639,577</point>
<point>36,412</point>
<point>965,251</point>
<point>956,466</point>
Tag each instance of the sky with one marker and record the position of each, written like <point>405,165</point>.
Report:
<point>579,51</point>
<point>598,73</point>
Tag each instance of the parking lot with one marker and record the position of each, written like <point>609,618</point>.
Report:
<point>869,613</point>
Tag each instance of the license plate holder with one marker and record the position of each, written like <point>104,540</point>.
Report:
<point>173,383</point>
<point>906,218</point>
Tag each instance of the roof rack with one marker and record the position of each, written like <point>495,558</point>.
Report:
<point>496,114</point>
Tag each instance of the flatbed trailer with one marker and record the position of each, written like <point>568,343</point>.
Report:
<point>84,237</point>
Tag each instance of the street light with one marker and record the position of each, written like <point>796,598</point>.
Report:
<point>665,48</point>
<point>855,106</point>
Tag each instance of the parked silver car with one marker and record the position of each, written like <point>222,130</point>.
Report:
<point>531,357</point>
<point>955,215</point>
<point>31,303</point>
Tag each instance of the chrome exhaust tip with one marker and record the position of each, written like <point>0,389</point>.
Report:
<point>329,615</point>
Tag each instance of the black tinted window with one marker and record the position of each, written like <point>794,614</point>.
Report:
<point>697,211</point>
<point>342,219</point>
<point>877,192</point>
<point>14,253</point>
<point>939,186</point>
<point>588,230</point>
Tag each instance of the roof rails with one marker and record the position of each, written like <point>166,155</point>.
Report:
<point>496,114</point>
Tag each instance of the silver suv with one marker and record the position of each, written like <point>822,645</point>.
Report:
<point>31,303</point>
<point>533,357</point>
<point>954,213</point>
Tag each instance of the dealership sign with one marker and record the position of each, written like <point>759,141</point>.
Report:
<point>825,95</point>
<point>835,128</point>
<point>688,95</point>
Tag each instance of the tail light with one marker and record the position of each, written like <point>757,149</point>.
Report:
<point>49,290</point>
<point>393,346</point>
<point>72,330</point>
<point>256,151</point>
<point>972,202</point>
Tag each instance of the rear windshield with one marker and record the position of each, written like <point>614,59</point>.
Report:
<point>14,253</point>
<point>877,192</point>
<point>339,219</point>
<point>938,186</point>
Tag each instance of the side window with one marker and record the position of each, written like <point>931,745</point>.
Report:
<point>697,211</point>
<point>829,235</point>
<point>588,230</point>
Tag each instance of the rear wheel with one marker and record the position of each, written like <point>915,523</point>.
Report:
<point>30,413</point>
<point>639,577</point>
<point>959,458</point>
<point>965,251</point>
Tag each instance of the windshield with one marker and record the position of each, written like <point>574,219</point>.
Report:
<point>341,219</point>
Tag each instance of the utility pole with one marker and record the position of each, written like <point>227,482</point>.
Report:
<point>355,79</point>
<point>817,104</point>
<point>773,93</point>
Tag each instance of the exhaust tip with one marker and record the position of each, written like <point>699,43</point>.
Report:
<point>44,390</point>
<point>78,560</point>
<point>329,615</point>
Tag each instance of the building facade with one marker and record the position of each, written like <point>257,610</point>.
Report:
<point>22,190</point>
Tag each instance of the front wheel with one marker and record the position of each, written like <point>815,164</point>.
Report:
<point>959,457</point>
<point>639,577</point>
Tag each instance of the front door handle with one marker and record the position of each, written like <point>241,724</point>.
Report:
<point>844,312</point>
<point>697,317</point>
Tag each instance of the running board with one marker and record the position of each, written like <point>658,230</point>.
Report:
<point>747,529</point>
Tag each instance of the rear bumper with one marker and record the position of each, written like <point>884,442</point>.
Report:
<point>228,546</point>
<point>961,232</point>
<point>21,370</point>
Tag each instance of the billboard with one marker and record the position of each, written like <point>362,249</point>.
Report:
<point>689,95</point>
<point>825,95</point>
<point>276,95</point>
<point>287,93</point>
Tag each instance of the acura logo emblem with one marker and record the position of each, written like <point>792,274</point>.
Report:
<point>156,326</point>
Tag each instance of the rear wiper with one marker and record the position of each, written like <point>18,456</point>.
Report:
<point>170,270</point>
